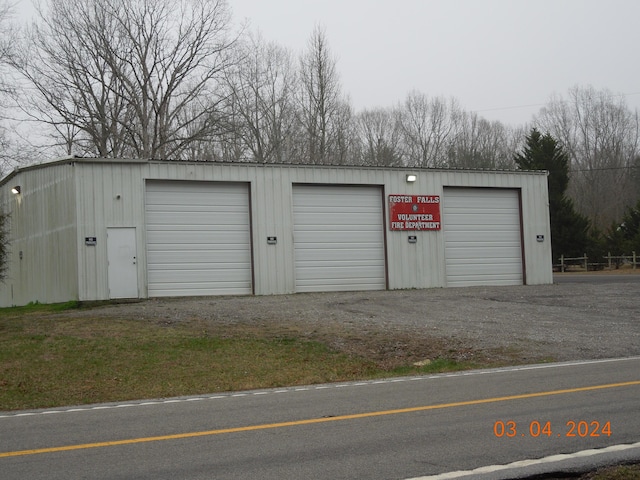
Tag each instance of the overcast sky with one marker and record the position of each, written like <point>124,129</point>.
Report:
<point>501,58</point>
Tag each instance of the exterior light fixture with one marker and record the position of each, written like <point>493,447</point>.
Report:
<point>411,178</point>
<point>16,190</point>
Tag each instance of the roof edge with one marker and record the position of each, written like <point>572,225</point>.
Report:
<point>89,160</point>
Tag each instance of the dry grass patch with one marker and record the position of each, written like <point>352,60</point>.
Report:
<point>50,357</point>
<point>620,472</point>
<point>626,472</point>
<point>47,361</point>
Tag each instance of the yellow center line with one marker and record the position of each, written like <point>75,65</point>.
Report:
<point>310,421</point>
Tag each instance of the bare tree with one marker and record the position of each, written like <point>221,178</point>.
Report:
<point>426,125</point>
<point>602,136</point>
<point>479,143</point>
<point>127,77</point>
<point>321,109</point>
<point>260,99</point>
<point>343,134</point>
<point>6,90</point>
<point>5,43</point>
<point>380,137</point>
<point>6,11</point>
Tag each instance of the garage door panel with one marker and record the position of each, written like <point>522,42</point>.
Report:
<point>479,266</point>
<point>319,200</point>
<point>204,258</point>
<point>195,289</point>
<point>344,272</point>
<point>236,207</point>
<point>478,243</point>
<point>340,264</point>
<point>198,249</point>
<point>337,284</point>
<point>321,255</point>
<point>195,275</point>
<point>326,257</point>
<point>487,256</point>
<point>480,219</point>
<point>170,218</point>
<point>501,223</point>
<point>466,246</point>
<point>222,203</point>
<point>482,237</point>
<point>223,282</point>
<point>176,187</point>
<point>320,239</point>
<point>337,222</point>
<point>201,244</point>
<point>198,238</point>
<point>223,238</point>
<point>480,280</point>
<point>194,222</point>
<point>334,229</point>
<point>339,238</point>
<point>490,197</point>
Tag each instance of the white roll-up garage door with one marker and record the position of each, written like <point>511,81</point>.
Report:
<point>339,238</point>
<point>198,238</point>
<point>482,236</point>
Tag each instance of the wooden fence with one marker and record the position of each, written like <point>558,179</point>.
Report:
<point>612,262</point>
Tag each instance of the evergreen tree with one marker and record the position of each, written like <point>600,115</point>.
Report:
<point>629,231</point>
<point>569,229</point>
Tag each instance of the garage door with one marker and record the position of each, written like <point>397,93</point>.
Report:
<point>339,238</point>
<point>198,238</point>
<point>482,236</point>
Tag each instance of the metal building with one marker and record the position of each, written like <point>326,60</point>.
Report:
<point>95,229</point>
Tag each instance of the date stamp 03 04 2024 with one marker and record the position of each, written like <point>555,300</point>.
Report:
<point>578,429</point>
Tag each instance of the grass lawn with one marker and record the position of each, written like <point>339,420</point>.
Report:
<point>48,360</point>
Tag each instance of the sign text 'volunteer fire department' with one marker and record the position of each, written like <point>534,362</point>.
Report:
<point>414,212</point>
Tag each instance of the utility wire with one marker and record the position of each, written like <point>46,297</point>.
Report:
<point>602,169</point>
<point>514,107</point>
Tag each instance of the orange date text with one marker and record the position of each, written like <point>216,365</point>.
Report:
<point>535,428</point>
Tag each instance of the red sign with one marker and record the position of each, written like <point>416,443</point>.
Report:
<point>414,212</point>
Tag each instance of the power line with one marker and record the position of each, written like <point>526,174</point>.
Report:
<point>515,107</point>
<point>602,169</point>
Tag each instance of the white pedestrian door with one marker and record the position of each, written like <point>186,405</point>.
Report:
<point>123,269</point>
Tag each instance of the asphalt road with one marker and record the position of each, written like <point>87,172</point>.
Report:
<point>389,429</point>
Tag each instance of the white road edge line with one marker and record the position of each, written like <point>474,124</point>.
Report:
<point>145,403</point>
<point>528,463</point>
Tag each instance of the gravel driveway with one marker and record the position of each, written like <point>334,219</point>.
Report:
<point>521,324</point>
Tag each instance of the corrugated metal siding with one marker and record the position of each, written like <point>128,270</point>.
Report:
<point>43,244</point>
<point>198,240</point>
<point>339,239</point>
<point>107,193</point>
<point>482,236</point>
<point>420,264</point>
<point>272,216</point>
<point>535,222</point>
